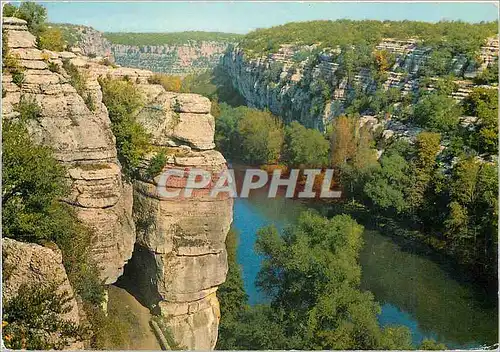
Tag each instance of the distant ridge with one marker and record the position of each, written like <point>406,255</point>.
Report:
<point>169,38</point>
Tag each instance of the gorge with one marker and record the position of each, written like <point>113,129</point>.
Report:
<point>405,259</point>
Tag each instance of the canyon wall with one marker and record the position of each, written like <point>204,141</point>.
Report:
<point>179,255</point>
<point>82,140</point>
<point>310,85</point>
<point>175,59</point>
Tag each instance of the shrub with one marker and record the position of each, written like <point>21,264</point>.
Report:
<point>28,108</point>
<point>79,82</point>
<point>170,83</point>
<point>107,62</point>
<point>11,63</point>
<point>156,165</point>
<point>53,67</point>
<point>34,319</point>
<point>18,78</point>
<point>123,100</point>
<point>51,39</point>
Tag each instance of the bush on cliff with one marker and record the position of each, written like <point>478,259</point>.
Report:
<point>52,39</point>
<point>33,319</point>
<point>34,183</point>
<point>79,82</point>
<point>132,142</point>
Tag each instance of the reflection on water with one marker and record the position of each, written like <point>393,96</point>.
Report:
<point>411,288</point>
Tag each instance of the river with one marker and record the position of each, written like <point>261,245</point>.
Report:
<point>412,288</point>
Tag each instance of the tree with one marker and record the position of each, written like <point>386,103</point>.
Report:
<point>35,320</point>
<point>227,138</point>
<point>343,141</point>
<point>34,14</point>
<point>305,147</point>
<point>483,103</point>
<point>387,187</point>
<point>123,100</point>
<point>261,137</point>
<point>422,168</point>
<point>9,10</point>
<point>170,83</point>
<point>312,273</point>
<point>232,297</point>
<point>472,217</point>
<point>438,112</point>
<point>51,39</point>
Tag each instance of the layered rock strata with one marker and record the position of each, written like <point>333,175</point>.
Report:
<point>81,139</point>
<point>36,266</point>
<point>180,256</point>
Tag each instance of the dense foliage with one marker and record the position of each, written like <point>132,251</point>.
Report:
<point>455,206</point>
<point>34,319</point>
<point>305,147</point>
<point>452,37</point>
<point>312,274</point>
<point>123,100</point>
<point>174,38</point>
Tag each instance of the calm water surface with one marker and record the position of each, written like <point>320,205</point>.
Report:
<point>411,288</point>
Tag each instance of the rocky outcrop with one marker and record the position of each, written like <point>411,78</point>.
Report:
<point>312,89</point>
<point>175,59</point>
<point>81,139</point>
<point>35,266</point>
<point>180,255</point>
<point>180,59</point>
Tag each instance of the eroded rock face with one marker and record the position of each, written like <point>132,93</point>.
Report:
<point>180,256</point>
<point>82,140</point>
<point>34,265</point>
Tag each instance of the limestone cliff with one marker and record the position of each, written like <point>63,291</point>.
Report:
<point>176,59</point>
<point>31,264</point>
<point>179,256</point>
<point>82,140</point>
<point>308,84</point>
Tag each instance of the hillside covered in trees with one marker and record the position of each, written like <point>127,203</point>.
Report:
<point>173,38</point>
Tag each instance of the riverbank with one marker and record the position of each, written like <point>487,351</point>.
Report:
<point>414,285</point>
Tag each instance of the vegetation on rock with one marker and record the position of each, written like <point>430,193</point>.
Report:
<point>33,319</point>
<point>174,38</point>
<point>123,100</point>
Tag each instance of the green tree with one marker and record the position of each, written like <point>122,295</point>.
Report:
<point>232,298</point>
<point>9,10</point>
<point>483,103</point>
<point>472,217</point>
<point>35,319</point>
<point>305,147</point>
<point>261,137</point>
<point>438,112</point>
<point>227,139</point>
<point>34,14</point>
<point>312,273</point>
<point>387,187</point>
<point>423,167</point>
<point>33,184</point>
